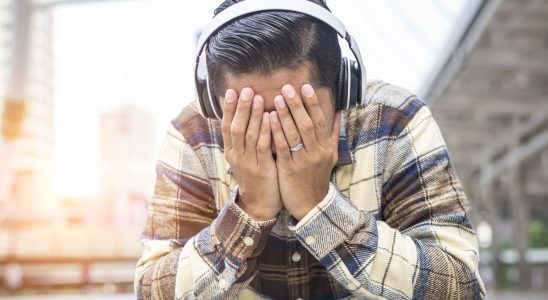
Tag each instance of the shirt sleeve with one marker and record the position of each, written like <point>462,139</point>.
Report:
<point>190,251</point>
<point>425,246</point>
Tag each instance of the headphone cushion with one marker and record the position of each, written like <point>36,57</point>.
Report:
<point>355,84</point>
<point>341,86</point>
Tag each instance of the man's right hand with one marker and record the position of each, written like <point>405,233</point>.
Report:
<point>247,137</point>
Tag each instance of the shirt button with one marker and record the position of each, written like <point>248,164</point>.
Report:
<point>248,241</point>
<point>222,283</point>
<point>310,240</point>
<point>351,286</point>
<point>296,257</point>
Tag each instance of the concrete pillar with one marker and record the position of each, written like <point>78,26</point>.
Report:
<point>521,214</point>
<point>493,218</point>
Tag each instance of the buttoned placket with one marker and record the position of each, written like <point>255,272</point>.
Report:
<point>294,261</point>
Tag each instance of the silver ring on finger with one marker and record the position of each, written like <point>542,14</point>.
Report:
<point>297,148</point>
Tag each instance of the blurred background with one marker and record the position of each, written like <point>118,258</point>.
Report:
<point>88,88</point>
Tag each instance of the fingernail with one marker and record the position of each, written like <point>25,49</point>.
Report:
<point>230,96</point>
<point>273,117</point>
<point>257,102</point>
<point>288,91</point>
<point>307,90</point>
<point>246,94</point>
<point>280,101</point>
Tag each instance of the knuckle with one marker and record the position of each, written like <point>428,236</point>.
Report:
<point>285,169</point>
<point>232,162</point>
<point>229,108</point>
<point>236,130</point>
<point>321,123</point>
<point>294,104</point>
<point>282,148</point>
<point>283,114</point>
<point>276,128</point>
<point>242,108</point>
<point>257,114</point>
<point>226,128</point>
<point>249,136</point>
<point>313,104</point>
<point>292,171</point>
<point>294,137</point>
<point>308,127</point>
<point>262,148</point>
<point>264,129</point>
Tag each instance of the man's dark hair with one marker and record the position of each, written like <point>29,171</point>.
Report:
<point>268,41</point>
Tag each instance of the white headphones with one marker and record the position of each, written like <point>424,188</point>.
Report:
<point>351,83</point>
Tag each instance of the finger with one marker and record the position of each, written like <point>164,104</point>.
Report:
<point>315,112</point>
<point>238,127</point>
<point>264,153</point>
<point>286,120</point>
<point>229,108</point>
<point>254,126</point>
<point>282,148</point>
<point>301,117</point>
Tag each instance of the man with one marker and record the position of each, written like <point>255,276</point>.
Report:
<point>287,198</point>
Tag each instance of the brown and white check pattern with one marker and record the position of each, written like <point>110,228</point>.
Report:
<point>394,224</point>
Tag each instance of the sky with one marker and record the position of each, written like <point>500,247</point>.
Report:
<point>107,54</point>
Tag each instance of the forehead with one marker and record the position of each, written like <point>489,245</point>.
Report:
<point>270,85</point>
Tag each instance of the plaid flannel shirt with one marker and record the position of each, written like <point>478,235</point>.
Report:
<point>393,225</point>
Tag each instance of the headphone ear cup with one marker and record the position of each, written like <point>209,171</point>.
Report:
<point>341,86</point>
<point>201,79</point>
<point>207,103</point>
<point>354,78</point>
<point>201,97</point>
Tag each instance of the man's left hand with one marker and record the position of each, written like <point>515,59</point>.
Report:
<point>303,175</point>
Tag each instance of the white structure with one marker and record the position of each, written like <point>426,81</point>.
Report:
<point>26,143</point>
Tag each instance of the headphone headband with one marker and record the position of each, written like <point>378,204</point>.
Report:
<point>305,7</point>
<point>246,7</point>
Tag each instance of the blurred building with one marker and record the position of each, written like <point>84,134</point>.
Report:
<point>127,163</point>
<point>491,102</point>
<point>26,143</point>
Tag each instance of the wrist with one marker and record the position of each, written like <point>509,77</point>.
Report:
<point>306,206</point>
<point>253,211</point>
<point>302,212</point>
